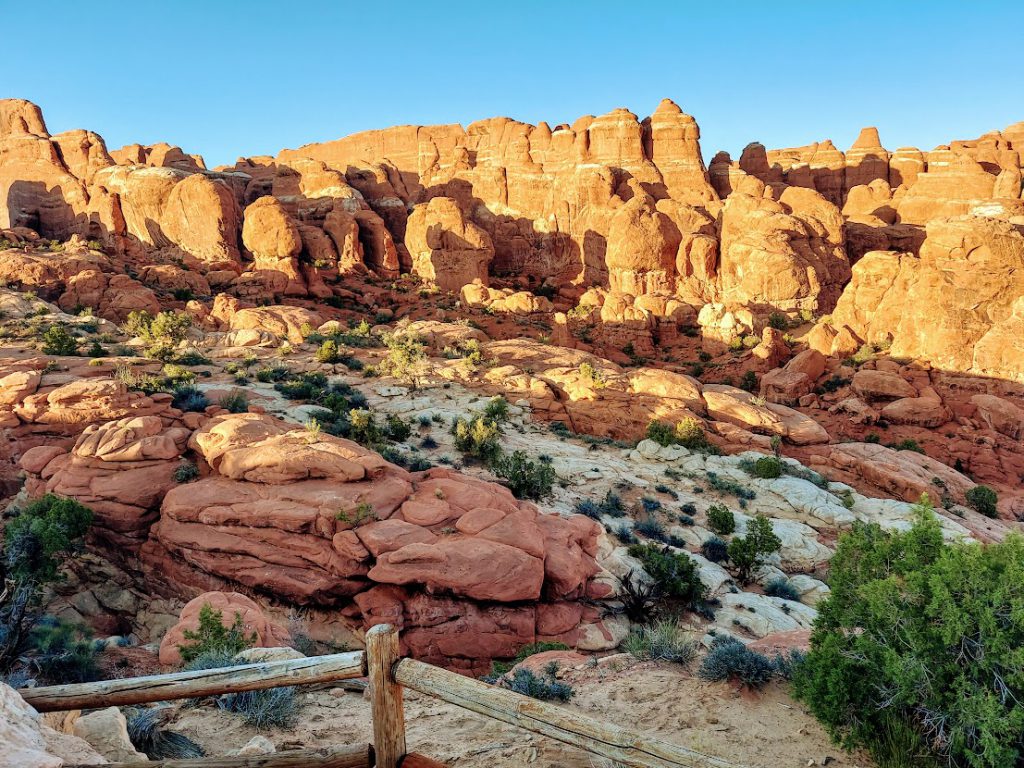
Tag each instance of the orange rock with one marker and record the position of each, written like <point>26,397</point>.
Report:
<point>446,248</point>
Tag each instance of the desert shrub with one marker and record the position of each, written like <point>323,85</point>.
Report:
<point>148,737</point>
<point>186,472</point>
<point>748,381</point>
<point>596,378</point>
<point>652,529</point>
<point>406,359</point>
<point>721,520</point>
<point>272,373</point>
<point>767,467</point>
<point>397,429</point>
<point>62,652</point>
<point>57,340</point>
<point>715,549</point>
<point>183,294</point>
<point>920,642</point>
<point>477,437</point>
<point>909,444</point>
<point>748,552</point>
<point>544,688</point>
<point>674,573</point>
<point>778,321</point>
<point>780,587</point>
<point>235,402</point>
<point>640,598</point>
<point>328,352</point>
<point>688,433</point>
<point>270,707</point>
<point>525,477</point>
<point>624,533</point>
<point>983,499</point>
<point>189,398</point>
<point>729,659</point>
<point>361,513</point>
<point>211,637</point>
<point>191,357</point>
<point>728,485</point>
<point>661,641</point>
<point>497,409</point>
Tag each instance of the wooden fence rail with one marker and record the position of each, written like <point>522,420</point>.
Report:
<point>203,682</point>
<point>387,674</point>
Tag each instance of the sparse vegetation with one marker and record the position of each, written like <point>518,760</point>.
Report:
<point>544,688</point>
<point>729,659</point>
<point>721,520</point>
<point>983,499</point>
<point>235,402</point>
<point>661,641</point>
<point>157,743</point>
<point>689,433</point>
<point>525,477</point>
<point>780,587</point>
<point>211,637</point>
<point>478,437</point>
<point>186,472</point>
<point>674,573</point>
<point>746,553</point>
<point>57,340</point>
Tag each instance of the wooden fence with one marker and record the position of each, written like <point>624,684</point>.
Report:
<point>388,674</point>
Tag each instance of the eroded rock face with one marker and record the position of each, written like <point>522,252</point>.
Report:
<point>958,305</point>
<point>445,247</point>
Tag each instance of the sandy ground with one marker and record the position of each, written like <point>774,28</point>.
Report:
<point>764,729</point>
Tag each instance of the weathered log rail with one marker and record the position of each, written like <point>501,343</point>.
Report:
<point>388,674</point>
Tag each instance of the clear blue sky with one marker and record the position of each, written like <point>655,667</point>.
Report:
<point>226,79</point>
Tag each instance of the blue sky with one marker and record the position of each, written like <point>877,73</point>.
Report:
<point>226,79</point>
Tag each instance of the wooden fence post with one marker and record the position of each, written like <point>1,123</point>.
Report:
<point>385,696</point>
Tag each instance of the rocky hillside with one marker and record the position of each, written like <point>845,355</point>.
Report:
<point>483,383</point>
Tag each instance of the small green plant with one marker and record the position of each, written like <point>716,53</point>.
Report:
<point>497,409</point>
<point>63,653</point>
<point>211,636</point>
<point>478,437</point>
<point>909,444</point>
<point>313,429</point>
<point>596,378</point>
<point>543,688</point>
<point>729,659</point>
<point>767,468</point>
<point>778,321</point>
<point>57,340</point>
<point>328,352</point>
<point>526,478</point>
<point>748,552</point>
<point>363,512</point>
<point>406,359</point>
<point>661,641</point>
<point>235,402</point>
<point>715,549</point>
<point>780,587</point>
<point>748,381</point>
<point>675,574</point>
<point>983,499</point>
<point>189,398</point>
<point>721,520</point>
<point>186,472</point>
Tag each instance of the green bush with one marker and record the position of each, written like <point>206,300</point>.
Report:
<point>497,409</point>
<point>212,637</point>
<point>477,437</point>
<point>729,659</point>
<point>545,688</point>
<point>919,642</point>
<point>42,535</point>
<point>715,549</point>
<point>526,478</point>
<point>63,653</point>
<point>983,499</point>
<point>674,574</point>
<point>406,359</point>
<point>748,552</point>
<point>189,398</point>
<point>328,352</point>
<point>186,472</point>
<point>721,520</point>
<point>661,432</point>
<point>270,707</point>
<point>57,340</point>
<point>767,468</point>
<point>780,587</point>
<point>36,542</point>
<point>235,402</point>
<point>662,641</point>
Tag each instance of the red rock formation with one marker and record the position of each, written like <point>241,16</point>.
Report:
<point>446,249</point>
